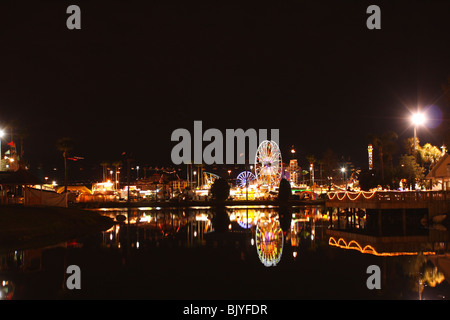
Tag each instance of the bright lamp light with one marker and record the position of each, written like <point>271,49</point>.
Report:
<point>2,133</point>
<point>418,118</point>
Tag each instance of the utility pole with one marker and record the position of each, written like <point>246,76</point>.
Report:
<point>65,169</point>
<point>128,178</point>
<point>128,160</point>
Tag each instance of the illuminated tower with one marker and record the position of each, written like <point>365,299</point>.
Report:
<point>293,171</point>
<point>370,149</point>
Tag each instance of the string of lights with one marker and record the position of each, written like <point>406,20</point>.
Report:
<point>368,249</point>
<point>349,194</point>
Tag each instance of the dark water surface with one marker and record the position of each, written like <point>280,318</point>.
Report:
<point>230,253</point>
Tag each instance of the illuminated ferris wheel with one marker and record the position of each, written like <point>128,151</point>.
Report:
<point>245,178</point>
<point>268,164</point>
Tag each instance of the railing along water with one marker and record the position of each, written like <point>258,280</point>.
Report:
<point>388,196</point>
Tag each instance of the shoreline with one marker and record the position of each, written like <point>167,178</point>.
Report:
<point>27,227</point>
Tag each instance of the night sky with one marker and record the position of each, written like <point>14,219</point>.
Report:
<point>137,70</point>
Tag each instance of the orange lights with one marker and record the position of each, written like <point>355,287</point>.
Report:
<point>351,195</point>
<point>354,245</point>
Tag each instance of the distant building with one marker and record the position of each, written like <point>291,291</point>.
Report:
<point>179,184</point>
<point>294,171</point>
<point>440,174</point>
<point>10,160</point>
<point>4,165</point>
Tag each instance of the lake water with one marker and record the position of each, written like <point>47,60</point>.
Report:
<point>233,253</point>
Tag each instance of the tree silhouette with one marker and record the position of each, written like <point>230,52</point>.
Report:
<point>445,126</point>
<point>368,179</point>
<point>329,163</point>
<point>220,219</point>
<point>284,191</point>
<point>311,158</point>
<point>378,144</point>
<point>410,170</point>
<point>390,147</point>
<point>386,144</point>
<point>429,154</point>
<point>220,190</point>
<point>104,165</point>
<point>285,217</point>
<point>409,145</point>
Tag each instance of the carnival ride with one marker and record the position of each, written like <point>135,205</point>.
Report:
<point>263,179</point>
<point>209,178</point>
<point>268,165</point>
<point>245,178</point>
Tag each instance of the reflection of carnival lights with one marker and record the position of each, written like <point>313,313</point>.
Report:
<point>269,246</point>
<point>245,218</point>
<point>201,217</point>
<point>354,245</point>
<point>145,218</point>
<point>243,223</point>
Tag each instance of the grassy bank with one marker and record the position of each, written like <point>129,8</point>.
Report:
<point>33,227</point>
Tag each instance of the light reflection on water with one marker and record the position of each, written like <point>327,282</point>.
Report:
<point>243,242</point>
<point>258,226</point>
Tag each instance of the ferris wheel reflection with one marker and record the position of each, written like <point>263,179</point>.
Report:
<point>269,240</point>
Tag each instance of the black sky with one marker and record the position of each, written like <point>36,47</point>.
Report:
<point>137,70</point>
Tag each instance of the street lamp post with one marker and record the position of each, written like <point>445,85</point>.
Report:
<point>195,175</point>
<point>343,177</point>
<point>117,179</point>
<point>415,142</point>
<point>417,119</point>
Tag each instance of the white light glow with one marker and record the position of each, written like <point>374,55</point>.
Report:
<point>418,118</point>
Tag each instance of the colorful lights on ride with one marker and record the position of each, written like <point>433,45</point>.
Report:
<point>269,240</point>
